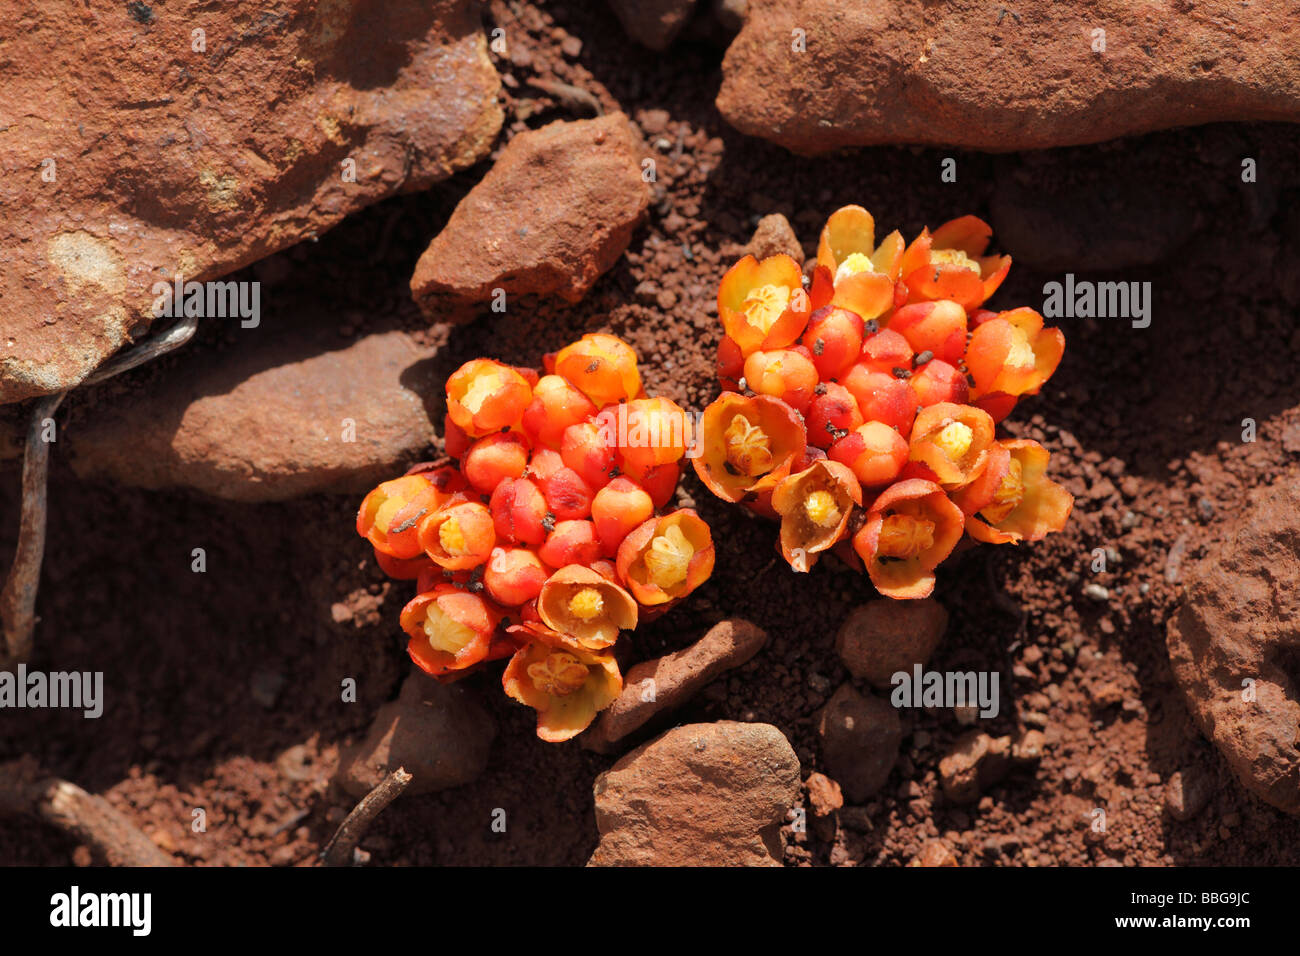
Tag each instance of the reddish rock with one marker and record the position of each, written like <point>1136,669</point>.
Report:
<point>553,213</point>
<point>195,141</point>
<point>975,763</point>
<point>882,637</point>
<point>1236,635</point>
<point>656,686</point>
<point>985,77</point>
<point>860,738</point>
<point>772,236</point>
<point>699,795</point>
<point>438,732</point>
<point>934,853</point>
<point>824,794</point>
<point>1027,746</point>
<point>1188,792</point>
<point>270,420</point>
<point>653,23</point>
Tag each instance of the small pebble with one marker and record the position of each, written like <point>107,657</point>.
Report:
<point>1095,592</point>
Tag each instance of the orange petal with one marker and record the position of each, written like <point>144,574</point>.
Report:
<point>815,506</point>
<point>970,234</point>
<point>849,230</point>
<point>869,294</point>
<point>932,282</point>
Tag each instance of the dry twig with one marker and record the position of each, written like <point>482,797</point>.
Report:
<point>90,819</point>
<point>339,851</point>
<point>18,599</point>
<point>572,98</point>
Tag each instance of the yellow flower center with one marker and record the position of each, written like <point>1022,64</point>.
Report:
<point>820,508</point>
<point>1007,498</point>
<point>444,633</point>
<point>559,675</point>
<point>452,537</point>
<point>480,390</point>
<point>904,536</point>
<point>668,558</point>
<point>586,604</point>
<point>955,440</point>
<point>1021,353</point>
<point>764,305</point>
<point>749,449</point>
<point>854,263</point>
<point>386,512</point>
<point>954,257</point>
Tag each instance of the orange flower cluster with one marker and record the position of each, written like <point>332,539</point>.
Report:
<point>547,538</point>
<point>861,405</point>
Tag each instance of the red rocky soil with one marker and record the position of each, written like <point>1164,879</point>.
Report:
<point>223,687</point>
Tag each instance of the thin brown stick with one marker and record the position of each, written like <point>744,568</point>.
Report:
<point>18,599</point>
<point>572,98</point>
<point>338,852</point>
<point>146,351</point>
<point>88,818</point>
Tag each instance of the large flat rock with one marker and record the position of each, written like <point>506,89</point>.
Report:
<point>1235,644</point>
<point>139,141</point>
<point>269,421</point>
<point>1003,77</point>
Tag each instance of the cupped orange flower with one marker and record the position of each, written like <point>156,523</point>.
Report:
<point>514,576</point>
<point>936,381</point>
<point>952,441</point>
<point>1025,505</point>
<point>494,458</point>
<point>450,629</point>
<point>570,542</point>
<point>834,413</point>
<point>763,305</point>
<point>814,506</point>
<point>390,515</point>
<point>579,602</point>
<point>950,264</point>
<point>938,328</point>
<point>747,444</point>
<point>566,683</point>
<point>518,510</point>
<point>847,246</point>
<point>910,528</point>
<point>652,431</point>
<point>458,536</point>
<point>617,509</point>
<point>666,558</point>
<point>659,481</point>
<point>590,450</point>
<point>602,367</point>
<point>885,351</point>
<point>556,405</point>
<point>882,397</point>
<point>485,396</point>
<point>1013,353</point>
<point>568,496</point>
<point>834,336</point>
<point>787,374</point>
<point>873,451</point>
